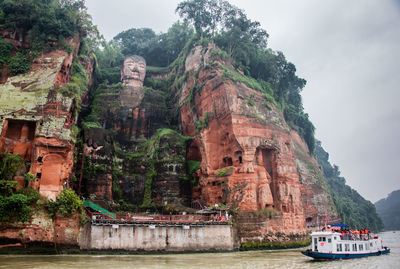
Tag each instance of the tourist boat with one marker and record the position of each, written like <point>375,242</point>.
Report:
<point>332,245</point>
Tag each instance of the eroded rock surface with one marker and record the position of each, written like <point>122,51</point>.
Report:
<point>37,118</point>
<point>249,156</point>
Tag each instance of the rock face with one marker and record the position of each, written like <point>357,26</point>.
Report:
<point>249,158</point>
<point>43,231</point>
<point>132,157</point>
<point>37,119</point>
<point>236,148</point>
<point>248,154</point>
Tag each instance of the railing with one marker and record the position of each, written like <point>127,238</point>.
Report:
<point>99,209</point>
<point>159,219</point>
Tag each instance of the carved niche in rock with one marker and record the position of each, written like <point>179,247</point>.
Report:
<point>52,172</point>
<point>52,164</point>
<point>17,137</point>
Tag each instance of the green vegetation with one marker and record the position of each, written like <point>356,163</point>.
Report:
<point>20,63</point>
<point>105,100</point>
<point>389,210</point>
<point>11,165</point>
<point>234,75</point>
<point>354,210</point>
<point>274,245</point>
<point>221,173</point>
<point>192,166</point>
<point>250,102</point>
<point>79,81</point>
<point>245,43</point>
<point>147,201</point>
<point>46,24</point>
<point>147,157</point>
<point>66,204</point>
<point>15,206</point>
<point>46,20</point>
<point>5,50</point>
<point>90,124</point>
<point>203,124</point>
<point>158,49</point>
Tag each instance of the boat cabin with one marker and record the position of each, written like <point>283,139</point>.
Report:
<point>333,242</point>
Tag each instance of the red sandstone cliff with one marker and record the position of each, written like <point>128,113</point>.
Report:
<point>250,158</point>
<point>37,115</point>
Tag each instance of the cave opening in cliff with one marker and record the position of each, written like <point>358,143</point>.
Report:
<point>227,161</point>
<point>238,157</point>
<point>266,160</point>
<point>193,153</point>
<point>19,135</point>
<point>20,129</point>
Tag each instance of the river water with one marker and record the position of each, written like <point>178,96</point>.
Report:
<point>247,259</point>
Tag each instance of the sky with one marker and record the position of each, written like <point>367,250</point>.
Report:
<point>349,53</point>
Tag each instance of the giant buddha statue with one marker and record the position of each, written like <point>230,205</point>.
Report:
<point>132,76</point>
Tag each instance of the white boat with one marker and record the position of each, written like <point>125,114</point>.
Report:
<point>334,245</point>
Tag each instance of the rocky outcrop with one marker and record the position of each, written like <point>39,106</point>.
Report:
<point>37,116</point>
<point>141,162</point>
<point>250,158</point>
<point>41,231</point>
<point>236,148</point>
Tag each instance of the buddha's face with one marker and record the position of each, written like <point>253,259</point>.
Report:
<point>134,69</point>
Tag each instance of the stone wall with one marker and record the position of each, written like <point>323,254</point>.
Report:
<point>158,238</point>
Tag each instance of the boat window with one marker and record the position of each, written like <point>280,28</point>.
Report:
<point>319,239</point>
<point>366,246</point>
<point>370,244</point>
<point>324,239</point>
<point>329,240</point>
<point>360,247</point>
<point>339,247</point>
<point>334,238</point>
<point>354,247</point>
<point>346,247</point>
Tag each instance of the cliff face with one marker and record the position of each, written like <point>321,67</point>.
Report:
<point>43,232</point>
<point>249,156</point>
<point>236,148</point>
<point>130,155</point>
<point>37,115</point>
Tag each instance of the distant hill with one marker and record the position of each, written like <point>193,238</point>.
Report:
<point>354,210</point>
<point>389,210</point>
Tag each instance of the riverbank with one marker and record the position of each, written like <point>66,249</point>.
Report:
<point>288,258</point>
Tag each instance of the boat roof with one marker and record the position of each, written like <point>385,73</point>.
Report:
<point>321,233</point>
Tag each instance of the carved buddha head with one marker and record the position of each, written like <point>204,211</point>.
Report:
<point>134,70</point>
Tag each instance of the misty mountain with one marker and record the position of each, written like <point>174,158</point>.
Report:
<point>389,210</point>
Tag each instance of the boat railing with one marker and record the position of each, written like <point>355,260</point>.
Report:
<point>353,237</point>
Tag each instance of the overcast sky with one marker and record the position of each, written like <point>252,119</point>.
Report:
<point>349,53</point>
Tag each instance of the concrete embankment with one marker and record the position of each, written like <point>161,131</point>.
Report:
<point>168,238</point>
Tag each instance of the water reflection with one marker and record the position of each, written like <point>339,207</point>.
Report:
<point>249,259</point>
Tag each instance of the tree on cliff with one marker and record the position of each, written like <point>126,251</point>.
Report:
<point>205,15</point>
<point>157,49</point>
<point>245,42</point>
<point>354,210</point>
<point>47,19</point>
